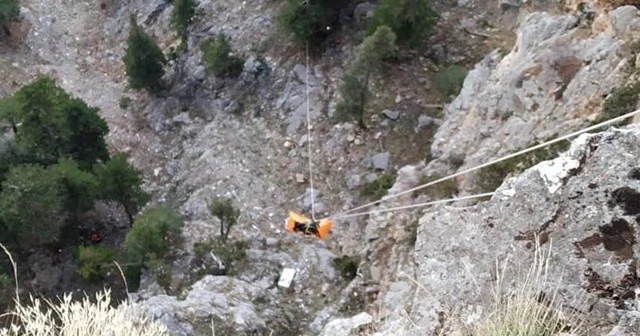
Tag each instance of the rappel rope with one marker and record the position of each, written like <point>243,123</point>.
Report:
<point>544,144</point>
<point>313,202</point>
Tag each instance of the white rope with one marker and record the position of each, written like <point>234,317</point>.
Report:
<point>313,202</point>
<point>610,121</point>
<point>415,205</point>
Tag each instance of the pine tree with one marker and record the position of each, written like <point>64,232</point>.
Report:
<point>410,20</point>
<point>144,61</point>
<point>182,16</point>
<point>121,182</point>
<point>368,61</point>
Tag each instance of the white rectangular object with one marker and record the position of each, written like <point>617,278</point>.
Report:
<point>286,277</point>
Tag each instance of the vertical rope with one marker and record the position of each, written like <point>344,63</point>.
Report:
<point>313,202</point>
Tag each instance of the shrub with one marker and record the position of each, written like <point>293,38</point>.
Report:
<point>218,59</point>
<point>355,84</point>
<point>88,317</point>
<point>622,100</point>
<point>92,259</point>
<point>232,255</point>
<point>442,190</point>
<point>144,61</point>
<point>450,80</point>
<point>347,266</point>
<point>124,102</point>
<point>153,234</point>
<point>224,210</point>
<point>308,21</point>
<point>412,230</point>
<point>410,20</point>
<point>378,188</point>
<point>491,177</point>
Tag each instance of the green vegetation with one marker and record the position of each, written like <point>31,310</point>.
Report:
<point>218,59</point>
<point>54,170</point>
<point>224,210</point>
<point>368,62</point>
<point>442,190</point>
<point>53,124</point>
<point>410,20</point>
<point>149,242</point>
<point>182,16</point>
<point>378,188</point>
<point>232,255</point>
<point>308,21</point>
<point>490,178</point>
<point>347,266</point>
<point>31,205</point>
<point>622,100</point>
<point>93,259</point>
<point>412,230</point>
<point>121,182</point>
<point>144,61</point>
<point>124,102</point>
<point>449,81</point>
<point>9,12</point>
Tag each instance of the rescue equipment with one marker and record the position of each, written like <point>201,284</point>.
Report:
<point>301,224</point>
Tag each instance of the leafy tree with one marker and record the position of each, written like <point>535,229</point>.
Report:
<point>32,204</point>
<point>182,17</point>
<point>410,20</point>
<point>150,240</point>
<point>226,213</point>
<point>121,182</point>
<point>368,60</point>
<point>9,12</point>
<point>80,187</point>
<point>310,21</point>
<point>53,125</point>
<point>218,59</point>
<point>144,61</point>
<point>8,109</point>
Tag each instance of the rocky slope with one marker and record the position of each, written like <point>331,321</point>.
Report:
<point>246,139</point>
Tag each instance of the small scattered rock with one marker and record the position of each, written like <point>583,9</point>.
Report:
<point>288,144</point>
<point>398,99</point>
<point>303,140</point>
<point>353,181</point>
<point>370,177</point>
<point>424,121</point>
<point>199,73</point>
<point>300,178</point>
<point>381,161</point>
<point>358,142</point>
<point>393,115</point>
<point>346,326</point>
<point>351,137</point>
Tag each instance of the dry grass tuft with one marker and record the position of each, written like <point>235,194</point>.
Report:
<point>78,318</point>
<point>529,310</point>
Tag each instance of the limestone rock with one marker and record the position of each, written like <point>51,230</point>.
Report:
<point>346,325</point>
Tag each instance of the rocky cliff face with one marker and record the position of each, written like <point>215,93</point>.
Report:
<point>581,204</point>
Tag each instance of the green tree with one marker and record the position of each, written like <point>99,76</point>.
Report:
<point>93,259</point>
<point>32,205</point>
<point>410,20</point>
<point>368,61</point>
<point>309,21</point>
<point>217,57</point>
<point>182,16</point>
<point>52,124</point>
<point>150,240</point>
<point>144,61</point>
<point>223,209</point>
<point>80,187</point>
<point>121,182</point>
<point>9,12</point>
<point>8,110</point>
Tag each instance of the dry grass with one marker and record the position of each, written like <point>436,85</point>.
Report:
<point>532,309</point>
<point>87,317</point>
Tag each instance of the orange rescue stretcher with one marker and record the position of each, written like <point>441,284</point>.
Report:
<point>301,224</point>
